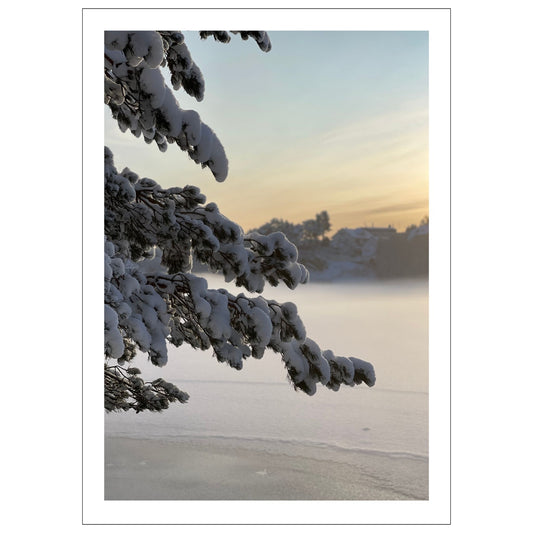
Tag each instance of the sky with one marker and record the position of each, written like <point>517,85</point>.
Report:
<point>334,121</point>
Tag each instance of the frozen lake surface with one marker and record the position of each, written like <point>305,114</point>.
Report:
<point>256,409</point>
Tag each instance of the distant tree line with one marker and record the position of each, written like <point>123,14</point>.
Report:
<point>385,255</point>
<point>423,222</point>
<point>313,231</point>
<point>307,233</point>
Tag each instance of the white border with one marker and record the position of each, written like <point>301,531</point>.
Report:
<point>437,509</point>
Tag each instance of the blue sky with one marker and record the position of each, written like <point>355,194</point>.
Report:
<point>325,120</point>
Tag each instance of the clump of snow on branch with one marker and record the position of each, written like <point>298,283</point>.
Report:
<point>260,37</point>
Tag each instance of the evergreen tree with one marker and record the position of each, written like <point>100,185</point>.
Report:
<point>293,232</point>
<point>153,234</point>
<point>307,233</point>
<point>313,230</point>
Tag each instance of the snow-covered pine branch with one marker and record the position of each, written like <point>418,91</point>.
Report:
<point>148,301</point>
<point>260,37</point>
<point>139,215</point>
<point>125,390</point>
<point>153,235</point>
<point>141,101</point>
